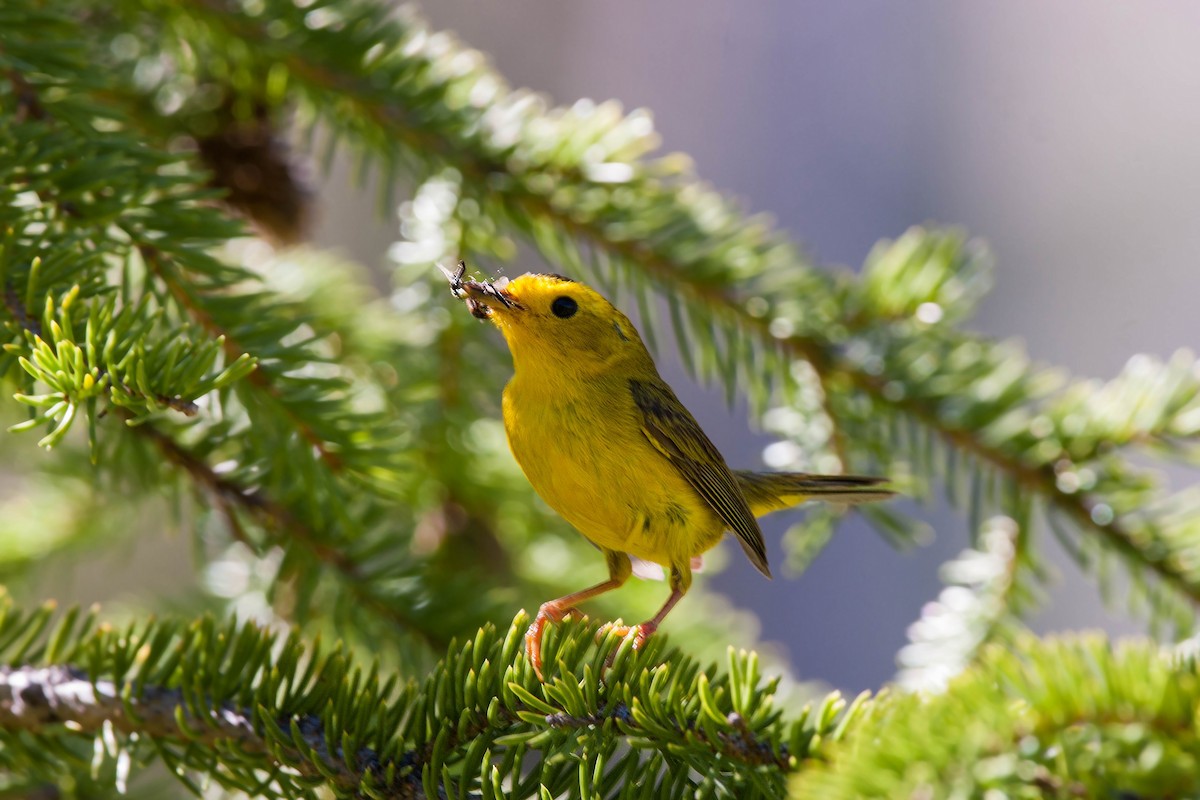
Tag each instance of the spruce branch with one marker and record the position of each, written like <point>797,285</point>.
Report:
<point>93,344</point>
<point>45,361</point>
<point>1042,479</point>
<point>33,328</point>
<point>168,273</point>
<point>976,609</point>
<point>284,528</point>
<point>1066,717</point>
<point>253,709</point>
<point>37,699</point>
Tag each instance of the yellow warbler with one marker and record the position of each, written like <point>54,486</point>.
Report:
<point>608,445</point>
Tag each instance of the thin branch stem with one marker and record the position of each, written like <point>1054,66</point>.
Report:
<point>742,745</point>
<point>29,105</point>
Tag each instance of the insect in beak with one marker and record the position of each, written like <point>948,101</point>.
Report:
<point>478,293</point>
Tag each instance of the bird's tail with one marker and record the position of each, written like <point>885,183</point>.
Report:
<point>772,491</point>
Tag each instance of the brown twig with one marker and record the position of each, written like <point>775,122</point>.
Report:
<point>16,307</point>
<point>742,744</point>
<point>29,105</point>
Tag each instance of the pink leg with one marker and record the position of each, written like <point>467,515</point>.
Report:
<point>645,630</point>
<point>554,611</point>
<point>681,581</point>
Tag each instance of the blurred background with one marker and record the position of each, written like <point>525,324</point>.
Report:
<point>1064,134</point>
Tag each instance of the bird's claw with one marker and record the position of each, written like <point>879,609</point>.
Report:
<point>640,633</point>
<point>550,613</point>
<point>547,614</point>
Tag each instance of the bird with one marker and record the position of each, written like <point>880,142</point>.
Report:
<point>609,446</point>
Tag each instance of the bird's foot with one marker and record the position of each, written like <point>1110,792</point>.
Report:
<point>549,613</point>
<point>640,633</point>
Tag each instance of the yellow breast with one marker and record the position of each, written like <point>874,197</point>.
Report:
<point>585,454</point>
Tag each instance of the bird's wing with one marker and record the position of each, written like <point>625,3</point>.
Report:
<point>676,434</point>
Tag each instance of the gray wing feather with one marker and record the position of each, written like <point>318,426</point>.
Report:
<point>676,434</point>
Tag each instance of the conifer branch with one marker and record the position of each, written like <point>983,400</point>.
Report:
<point>1068,716</point>
<point>282,526</point>
<point>29,105</point>
<point>279,521</point>
<point>168,273</point>
<point>1080,507</point>
<point>16,309</point>
<point>269,514</point>
<point>238,702</point>
<point>39,699</point>
<point>276,519</point>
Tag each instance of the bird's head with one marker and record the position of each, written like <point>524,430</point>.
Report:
<point>554,322</point>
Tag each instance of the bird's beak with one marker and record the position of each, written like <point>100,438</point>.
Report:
<point>483,298</point>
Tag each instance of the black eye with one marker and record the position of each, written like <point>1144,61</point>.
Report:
<point>564,307</point>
